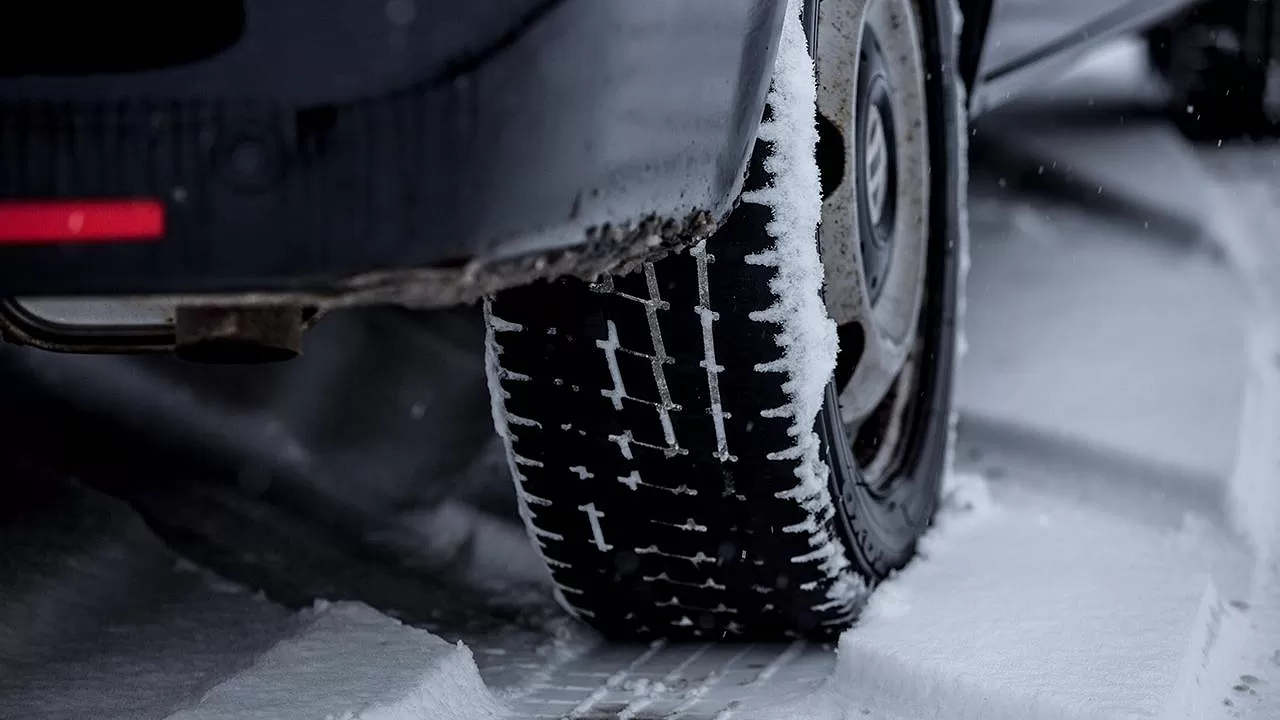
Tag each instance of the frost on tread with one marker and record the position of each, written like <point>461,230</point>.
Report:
<point>808,337</point>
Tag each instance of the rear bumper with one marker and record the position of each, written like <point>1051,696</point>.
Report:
<point>472,139</point>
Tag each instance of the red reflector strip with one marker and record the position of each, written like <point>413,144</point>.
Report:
<point>76,221</point>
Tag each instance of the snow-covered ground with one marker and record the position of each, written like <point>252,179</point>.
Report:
<point>1106,548</point>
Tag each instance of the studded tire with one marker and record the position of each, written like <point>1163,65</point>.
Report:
<point>671,433</point>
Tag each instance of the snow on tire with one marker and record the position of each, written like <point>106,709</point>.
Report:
<point>663,426</point>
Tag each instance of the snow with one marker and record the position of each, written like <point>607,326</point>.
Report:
<point>99,620</point>
<point>965,258</point>
<point>966,497</point>
<point>67,628</point>
<point>1243,213</point>
<point>1215,634</point>
<point>1113,307</point>
<point>808,335</point>
<point>350,662</point>
<point>1099,620</point>
<point>1241,659</point>
<point>1135,259</point>
<point>1027,605</point>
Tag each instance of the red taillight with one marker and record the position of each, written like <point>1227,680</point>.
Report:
<point>77,221</point>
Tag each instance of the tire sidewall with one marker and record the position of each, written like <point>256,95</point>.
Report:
<point>881,531</point>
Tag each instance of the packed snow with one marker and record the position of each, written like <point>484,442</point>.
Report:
<point>118,628</point>
<point>350,662</point>
<point>1028,606</point>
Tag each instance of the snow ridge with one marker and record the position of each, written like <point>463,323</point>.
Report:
<point>348,661</point>
<point>808,335</point>
<point>1241,214</point>
<point>961,139</point>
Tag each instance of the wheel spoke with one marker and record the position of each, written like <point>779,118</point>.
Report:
<point>877,469</point>
<point>882,361</point>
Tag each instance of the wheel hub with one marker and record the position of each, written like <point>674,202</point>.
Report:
<point>878,175</point>
<point>877,167</point>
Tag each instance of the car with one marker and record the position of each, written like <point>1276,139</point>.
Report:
<point>720,245</point>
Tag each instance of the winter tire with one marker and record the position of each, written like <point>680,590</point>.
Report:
<point>691,456</point>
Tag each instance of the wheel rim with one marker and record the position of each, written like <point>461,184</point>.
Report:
<point>872,87</point>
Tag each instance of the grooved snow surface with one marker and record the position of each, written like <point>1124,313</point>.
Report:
<point>98,620</point>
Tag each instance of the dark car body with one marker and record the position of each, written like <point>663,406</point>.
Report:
<point>422,150</point>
